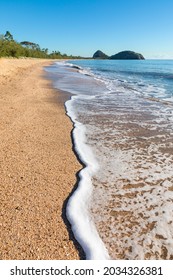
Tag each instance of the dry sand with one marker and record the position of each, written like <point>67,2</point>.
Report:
<point>37,165</point>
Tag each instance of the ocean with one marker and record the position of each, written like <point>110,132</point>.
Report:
<point>123,133</point>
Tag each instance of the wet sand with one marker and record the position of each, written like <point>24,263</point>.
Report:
<point>132,204</point>
<point>37,165</point>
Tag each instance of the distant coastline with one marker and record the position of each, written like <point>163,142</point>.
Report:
<point>9,47</point>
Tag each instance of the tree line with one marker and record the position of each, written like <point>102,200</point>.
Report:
<point>11,48</point>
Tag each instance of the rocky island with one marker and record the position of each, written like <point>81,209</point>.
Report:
<point>121,55</point>
<point>100,55</point>
<point>127,55</point>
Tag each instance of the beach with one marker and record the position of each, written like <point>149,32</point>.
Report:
<point>122,119</point>
<point>37,165</point>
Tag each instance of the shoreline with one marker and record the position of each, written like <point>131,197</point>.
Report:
<point>77,209</point>
<point>79,214</point>
<point>38,166</point>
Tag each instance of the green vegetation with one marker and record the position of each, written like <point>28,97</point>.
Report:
<point>11,48</point>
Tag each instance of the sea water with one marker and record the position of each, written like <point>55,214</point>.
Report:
<point>123,133</point>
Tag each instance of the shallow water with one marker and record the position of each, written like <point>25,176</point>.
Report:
<point>127,111</point>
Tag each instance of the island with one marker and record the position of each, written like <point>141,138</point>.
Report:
<point>100,55</point>
<point>121,55</point>
<point>127,55</point>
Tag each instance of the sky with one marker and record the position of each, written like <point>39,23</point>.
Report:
<point>81,27</point>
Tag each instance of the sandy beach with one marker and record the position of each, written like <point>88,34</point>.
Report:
<point>37,164</point>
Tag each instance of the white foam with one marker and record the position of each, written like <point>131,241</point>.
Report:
<point>64,62</point>
<point>78,205</point>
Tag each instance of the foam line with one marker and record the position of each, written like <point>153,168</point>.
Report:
<point>78,205</point>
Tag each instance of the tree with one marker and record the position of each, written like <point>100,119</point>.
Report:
<point>30,45</point>
<point>11,48</point>
<point>45,50</point>
<point>8,36</point>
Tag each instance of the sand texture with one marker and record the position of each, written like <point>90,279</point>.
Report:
<point>37,164</point>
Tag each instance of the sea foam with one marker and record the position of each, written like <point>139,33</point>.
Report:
<point>78,205</point>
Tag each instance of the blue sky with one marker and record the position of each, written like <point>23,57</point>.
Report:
<point>80,27</point>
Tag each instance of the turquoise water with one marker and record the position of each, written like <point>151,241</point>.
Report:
<point>125,110</point>
<point>147,77</point>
